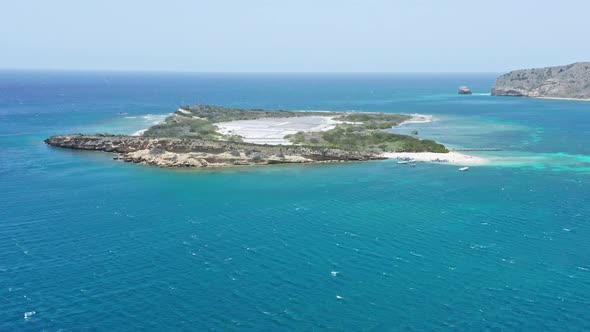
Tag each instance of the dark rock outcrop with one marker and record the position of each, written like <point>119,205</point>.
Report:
<point>464,90</point>
<point>179,152</point>
<point>571,81</point>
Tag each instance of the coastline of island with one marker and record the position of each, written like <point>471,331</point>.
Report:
<point>566,99</point>
<point>215,136</point>
<point>452,157</point>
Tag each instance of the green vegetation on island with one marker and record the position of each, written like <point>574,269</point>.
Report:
<point>365,132</point>
<point>215,114</point>
<point>357,138</point>
<point>375,120</point>
<point>188,128</point>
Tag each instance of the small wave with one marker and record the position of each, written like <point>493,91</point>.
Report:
<point>482,94</point>
<point>139,132</point>
<point>401,259</point>
<point>29,314</point>
<point>155,118</point>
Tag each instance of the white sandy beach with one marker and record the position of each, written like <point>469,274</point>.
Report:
<point>455,158</point>
<point>274,130</point>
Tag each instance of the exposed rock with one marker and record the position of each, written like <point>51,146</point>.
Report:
<point>464,90</point>
<point>179,152</point>
<point>571,81</point>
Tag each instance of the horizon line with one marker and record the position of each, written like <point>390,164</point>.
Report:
<point>157,71</point>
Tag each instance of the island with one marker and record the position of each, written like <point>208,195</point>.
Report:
<point>216,136</point>
<point>562,82</point>
<point>465,90</point>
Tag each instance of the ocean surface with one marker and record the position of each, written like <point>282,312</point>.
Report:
<point>89,243</point>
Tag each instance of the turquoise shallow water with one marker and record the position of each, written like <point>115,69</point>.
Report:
<point>87,243</point>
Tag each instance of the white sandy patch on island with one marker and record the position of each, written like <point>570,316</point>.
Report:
<point>274,130</point>
<point>455,158</point>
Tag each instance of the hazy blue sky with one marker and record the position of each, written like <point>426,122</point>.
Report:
<point>294,36</point>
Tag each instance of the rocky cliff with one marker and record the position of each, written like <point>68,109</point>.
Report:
<point>571,81</point>
<point>178,152</point>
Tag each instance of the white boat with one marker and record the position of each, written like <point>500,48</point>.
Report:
<point>463,169</point>
<point>403,162</point>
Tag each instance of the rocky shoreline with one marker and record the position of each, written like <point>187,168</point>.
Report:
<point>181,152</point>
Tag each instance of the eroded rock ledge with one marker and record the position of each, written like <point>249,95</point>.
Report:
<point>178,152</point>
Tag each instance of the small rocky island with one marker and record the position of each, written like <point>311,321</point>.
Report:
<point>193,137</point>
<point>464,90</point>
<point>570,82</point>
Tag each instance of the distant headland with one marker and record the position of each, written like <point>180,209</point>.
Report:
<point>215,136</point>
<point>561,82</point>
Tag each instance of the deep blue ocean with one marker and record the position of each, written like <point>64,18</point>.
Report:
<point>89,243</point>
